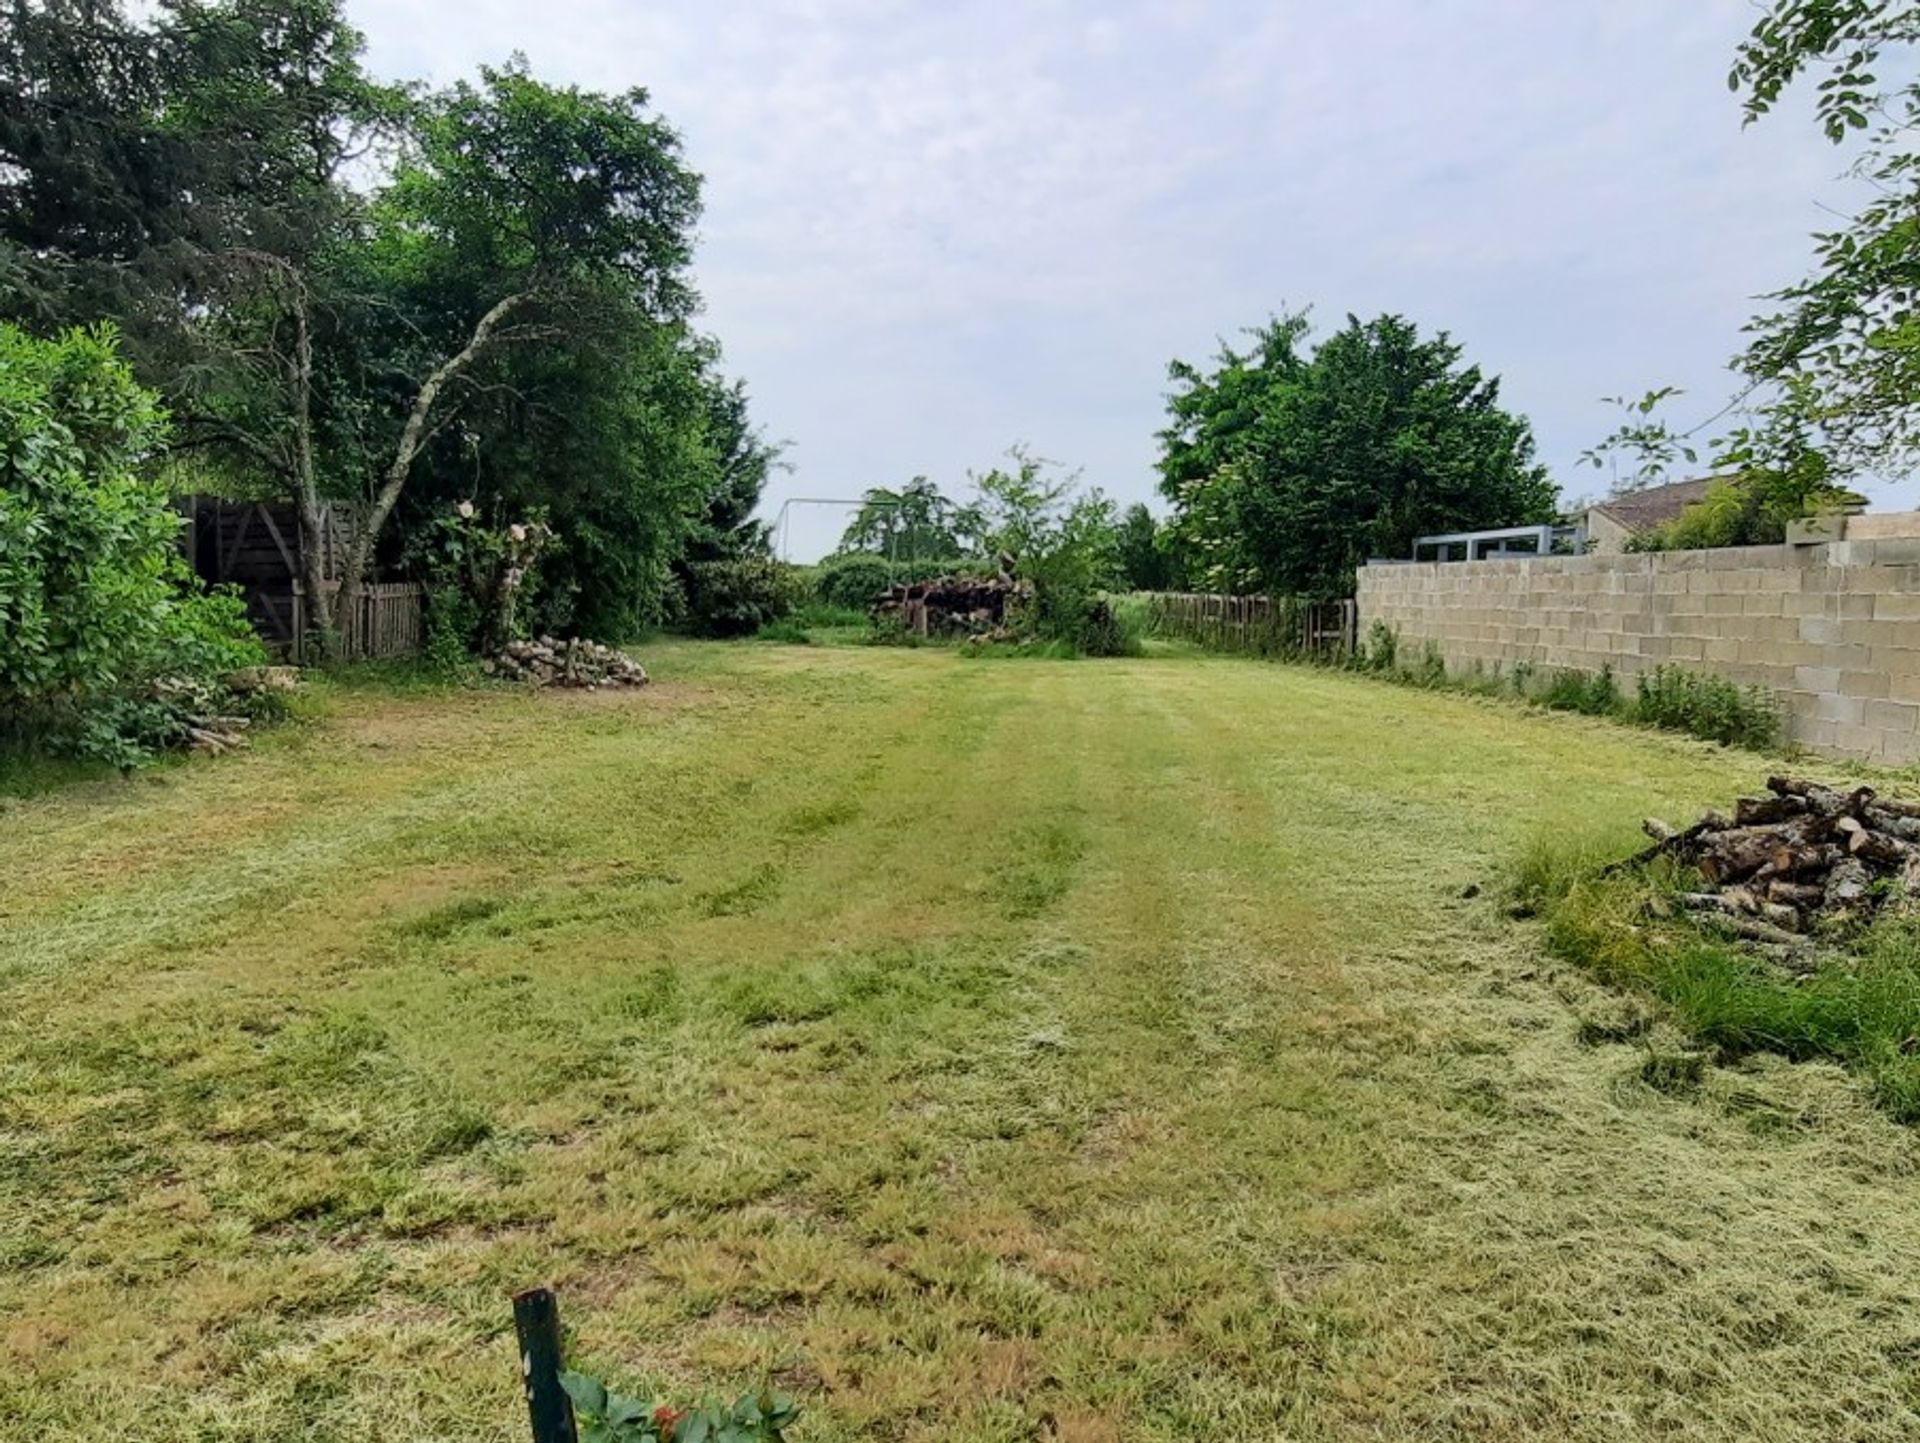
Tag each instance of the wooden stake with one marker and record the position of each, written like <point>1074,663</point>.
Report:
<point>536,1318</point>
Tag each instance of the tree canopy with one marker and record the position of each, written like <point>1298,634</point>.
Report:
<point>916,522</point>
<point>350,289</point>
<point>1287,471</point>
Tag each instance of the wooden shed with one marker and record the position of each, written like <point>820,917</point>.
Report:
<point>257,547</point>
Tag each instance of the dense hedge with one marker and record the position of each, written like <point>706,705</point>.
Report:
<point>737,598</point>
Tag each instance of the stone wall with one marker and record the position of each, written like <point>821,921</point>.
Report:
<point>1832,630</point>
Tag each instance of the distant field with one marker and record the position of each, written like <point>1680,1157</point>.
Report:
<point>984,1050</point>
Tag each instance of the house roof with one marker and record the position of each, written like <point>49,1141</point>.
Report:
<point>1655,505</point>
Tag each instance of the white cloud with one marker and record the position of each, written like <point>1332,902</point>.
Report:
<point>932,230</point>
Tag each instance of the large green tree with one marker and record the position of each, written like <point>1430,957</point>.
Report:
<point>337,285</point>
<point>524,212</point>
<point>1287,473</point>
<point>917,522</point>
<point>1144,562</point>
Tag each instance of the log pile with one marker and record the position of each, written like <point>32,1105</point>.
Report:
<point>1806,857</point>
<point>574,662</point>
<point>207,717</point>
<point>953,605</point>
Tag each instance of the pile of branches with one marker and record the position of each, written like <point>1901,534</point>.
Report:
<point>574,662</point>
<point>978,606</point>
<point>210,718</point>
<point>1807,857</point>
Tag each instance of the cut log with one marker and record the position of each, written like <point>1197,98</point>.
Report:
<point>1899,807</point>
<point>1678,842</point>
<point>1660,831</point>
<point>1879,848</point>
<point>1796,894</point>
<point>1762,811</point>
<point>1823,800</point>
<point>1797,861</point>
<point>1883,818</point>
<point>1741,851</point>
<point>1739,904</point>
<point>1847,883</point>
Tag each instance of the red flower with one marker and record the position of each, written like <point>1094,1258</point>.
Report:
<point>666,1419</point>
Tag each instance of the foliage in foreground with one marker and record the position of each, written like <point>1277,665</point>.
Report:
<point>106,643</point>
<point>1863,1010</point>
<point>609,1417</point>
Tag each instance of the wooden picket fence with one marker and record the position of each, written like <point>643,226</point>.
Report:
<point>388,621</point>
<point>1256,625</point>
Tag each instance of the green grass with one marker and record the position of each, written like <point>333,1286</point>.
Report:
<point>1077,1051</point>
<point>820,623</point>
<point>1862,1009</point>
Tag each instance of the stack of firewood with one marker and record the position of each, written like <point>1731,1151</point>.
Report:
<point>954,605</point>
<point>1805,856</point>
<point>574,662</point>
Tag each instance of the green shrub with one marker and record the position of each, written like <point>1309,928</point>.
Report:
<point>1431,670</point>
<point>1589,693</point>
<point>737,598</point>
<point>1708,707</point>
<point>107,642</point>
<point>816,621</point>
<point>1380,651</point>
<point>853,581</point>
<point>609,1417</point>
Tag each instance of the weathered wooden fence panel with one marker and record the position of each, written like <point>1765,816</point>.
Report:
<point>387,621</point>
<point>256,546</point>
<point>1255,625</point>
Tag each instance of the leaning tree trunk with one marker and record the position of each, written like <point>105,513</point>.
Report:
<point>412,437</point>
<point>319,623</point>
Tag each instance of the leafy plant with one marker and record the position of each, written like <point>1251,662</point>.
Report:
<point>1647,442</point>
<point>1709,707</point>
<point>1589,693</point>
<point>1144,560</point>
<point>479,575</point>
<point>1064,542</point>
<point>106,640</point>
<point>1380,650</point>
<point>853,580</point>
<point>737,598</point>
<point>608,1417</point>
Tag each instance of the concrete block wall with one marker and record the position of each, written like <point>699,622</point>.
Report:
<point>1832,630</point>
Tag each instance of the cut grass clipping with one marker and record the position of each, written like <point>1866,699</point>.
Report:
<point>1861,1009</point>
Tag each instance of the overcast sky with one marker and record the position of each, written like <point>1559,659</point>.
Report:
<point>933,229</point>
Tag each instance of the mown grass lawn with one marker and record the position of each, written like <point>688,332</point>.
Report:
<point>983,1050</point>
